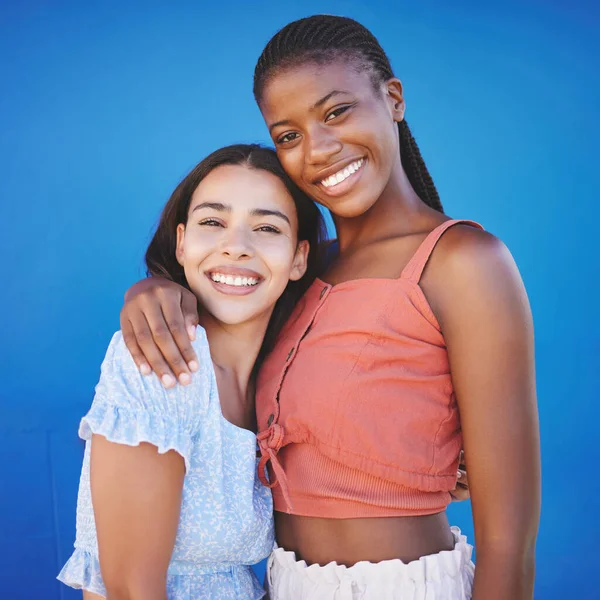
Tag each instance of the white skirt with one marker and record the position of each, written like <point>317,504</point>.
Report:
<point>444,576</point>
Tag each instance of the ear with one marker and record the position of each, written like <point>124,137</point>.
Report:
<point>180,238</point>
<point>395,97</point>
<point>300,263</point>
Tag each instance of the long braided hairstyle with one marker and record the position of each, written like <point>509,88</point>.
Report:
<point>323,38</point>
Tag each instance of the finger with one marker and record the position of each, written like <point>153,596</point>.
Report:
<point>166,345</point>
<point>462,477</point>
<point>175,319</point>
<point>133,347</point>
<point>460,493</point>
<point>189,307</point>
<point>143,333</point>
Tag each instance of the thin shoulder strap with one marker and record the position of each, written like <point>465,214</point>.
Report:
<point>415,266</point>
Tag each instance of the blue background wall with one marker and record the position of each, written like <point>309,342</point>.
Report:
<point>105,106</point>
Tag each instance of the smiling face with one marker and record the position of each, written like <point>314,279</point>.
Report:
<point>335,134</point>
<point>239,247</point>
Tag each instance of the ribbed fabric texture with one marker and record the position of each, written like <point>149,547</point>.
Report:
<point>338,489</point>
<point>356,411</point>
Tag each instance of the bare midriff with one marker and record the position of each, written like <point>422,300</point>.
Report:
<point>348,541</point>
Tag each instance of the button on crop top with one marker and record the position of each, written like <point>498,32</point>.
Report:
<point>356,411</point>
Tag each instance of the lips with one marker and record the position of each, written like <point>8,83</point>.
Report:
<point>342,180</point>
<point>234,279</point>
<point>338,169</point>
<point>343,174</point>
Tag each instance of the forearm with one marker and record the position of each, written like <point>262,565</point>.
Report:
<point>504,573</point>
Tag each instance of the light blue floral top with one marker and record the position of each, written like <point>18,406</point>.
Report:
<point>226,520</point>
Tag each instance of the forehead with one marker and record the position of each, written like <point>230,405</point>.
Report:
<point>303,85</point>
<point>245,188</point>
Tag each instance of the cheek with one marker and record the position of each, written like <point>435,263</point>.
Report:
<point>388,140</point>
<point>292,162</point>
<point>378,133</point>
<point>279,257</point>
<point>195,249</point>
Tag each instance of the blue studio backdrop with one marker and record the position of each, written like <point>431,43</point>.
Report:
<point>104,106</point>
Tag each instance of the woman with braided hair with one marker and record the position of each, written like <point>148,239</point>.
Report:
<point>416,341</point>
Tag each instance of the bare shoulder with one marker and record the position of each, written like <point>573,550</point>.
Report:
<point>471,268</point>
<point>468,253</point>
<point>463,244</point>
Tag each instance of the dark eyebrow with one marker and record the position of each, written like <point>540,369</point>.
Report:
<point>264,212</point>
<point>256,212</point>
<point>285,122</point>
<point>214,205</point>
<point>325,98</point>
<point>316,105</point>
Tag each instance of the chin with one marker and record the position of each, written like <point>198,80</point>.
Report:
<point>230,317</point>
<point>352,208</point>
<point>236,317</point>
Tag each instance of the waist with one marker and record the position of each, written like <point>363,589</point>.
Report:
<point>183,567</point>
<point>349,541</point>
<point>320,486</point>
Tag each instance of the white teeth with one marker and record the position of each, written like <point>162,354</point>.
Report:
<point>237,281</point>
<point>343,174</point>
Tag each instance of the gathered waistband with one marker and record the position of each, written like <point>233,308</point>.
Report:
<point>447,575</point>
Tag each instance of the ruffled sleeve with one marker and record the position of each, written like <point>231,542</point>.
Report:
<point>82,572</point>
<point>131,408</point>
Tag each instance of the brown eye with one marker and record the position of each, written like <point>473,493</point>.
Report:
<point>336,113</point>
<point>287,138</point>
<point>211,223</point>
<point>268,229</point>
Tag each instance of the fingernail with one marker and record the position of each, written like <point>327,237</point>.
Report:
<point>184,378</point>
<point>192,332</point>
<point>145,369</point>
<point>458,474</point>
<point>193,366</point>
<point>168,380</point>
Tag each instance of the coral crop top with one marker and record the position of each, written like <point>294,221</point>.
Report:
<point>356,411</point>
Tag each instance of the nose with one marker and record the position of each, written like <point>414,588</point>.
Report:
<point>322,145</point>
<point>236,244</point>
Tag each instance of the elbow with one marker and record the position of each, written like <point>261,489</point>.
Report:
<point>513,555</point>
<point>501,575</point>
<point>512,534</point>
<point>510,543</point>
<point>520,555</point>
<point>504,571</point>
<point>130,586</point>
<point>520,547</point>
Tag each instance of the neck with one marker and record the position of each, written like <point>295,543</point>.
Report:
<point>234,348</point>
<point>398,211</point>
